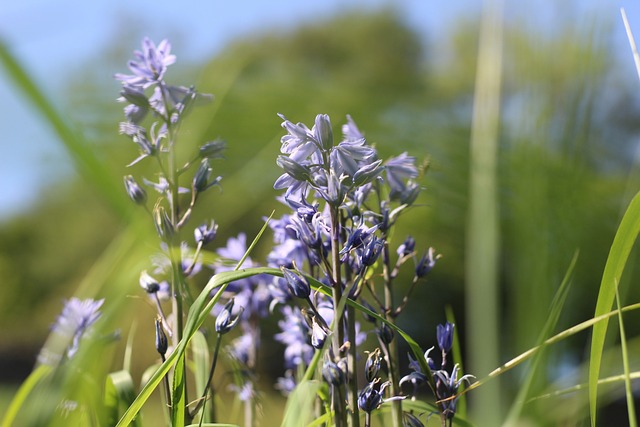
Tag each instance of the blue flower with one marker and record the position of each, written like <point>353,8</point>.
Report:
<point>445,336</point>
<point>426,263</point>
<point>135,192</point>
<point>447,386</point>
<point>150,65</point>
<point>295,337</point>
<point>399,169</point>
<point>205,233</point>
<point>227,319</point>
<point>76,318</point>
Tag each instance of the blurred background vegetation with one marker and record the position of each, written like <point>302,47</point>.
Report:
<point>567,154</point>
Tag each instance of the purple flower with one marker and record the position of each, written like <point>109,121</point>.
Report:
<point>227,319</point>
<point>447,386</point>
<point>150,65</point>
<point>399,169</point>
<point>295,337</point>
<point>350,130</point>
<point>426,263</point>
<point>445,336</point>
<point>76,318</point>
<point>135,192</point>
<point>205,233</point>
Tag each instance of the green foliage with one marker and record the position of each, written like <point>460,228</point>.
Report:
<point>559,185</point>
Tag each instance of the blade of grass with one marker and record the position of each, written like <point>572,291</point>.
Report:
<point>26,388</point>
<point>619,253</point>
<point>482,233</point>
<point>625,363</point>
<point>86,161</point>
<point>554,315</point>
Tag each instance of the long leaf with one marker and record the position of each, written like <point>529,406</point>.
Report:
<point>618,255</point>
<point>625,363</point>
<point>86,161</point>
<point>119,393</point>
<point>554,315</point>
<point>23,393</point>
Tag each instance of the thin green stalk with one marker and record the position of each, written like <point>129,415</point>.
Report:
<point>392,347</point>
<point>483,231</point>
<point>338,327</point>
<point>353,382</point>
<point>208,386</point>
<point>625,363</point>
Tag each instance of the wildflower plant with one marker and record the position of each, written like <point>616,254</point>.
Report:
<point>331,277</point>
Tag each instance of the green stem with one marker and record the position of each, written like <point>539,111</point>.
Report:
<point>392,347</point>
<point>338,329</point>
<point>208,385</point>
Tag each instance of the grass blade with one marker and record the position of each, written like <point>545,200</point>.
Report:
<point>554,315</point>
<point>483,231</point>
<point>619,253</point>
<point>86,161</point>
<point>625,363</point>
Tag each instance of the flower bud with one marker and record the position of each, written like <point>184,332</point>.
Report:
<point>426,263</point>
<point>161,338</point>
<point>373,365</point>
<point>212,149</point>
<point>385,333</point>
<point>148,283</point>
<point>445,336</point>
<point>407,247</point>
<point>294,169</point>
<point>369,398</point>
<point>135,192</point>
<point>205,233</point>
<point>332,374</point>
<point>226,320</point>
<point>163,223</point>
<point>323,132</point>
<point>201,178</point>
<point>298,285</point>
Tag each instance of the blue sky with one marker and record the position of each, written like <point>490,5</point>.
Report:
<point>48,36</point>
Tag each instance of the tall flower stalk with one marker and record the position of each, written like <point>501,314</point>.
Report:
<point>154,113</point>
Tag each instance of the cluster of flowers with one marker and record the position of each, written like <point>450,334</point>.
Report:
<point>344,202</point>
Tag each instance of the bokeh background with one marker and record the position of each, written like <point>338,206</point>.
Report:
<point>406,71</point>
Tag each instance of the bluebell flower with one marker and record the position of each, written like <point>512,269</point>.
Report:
<point>150,65</point>
<point>287,383</point>
<point>417,377</point>
<point>297,283</point>
<point>149,283</point>
<point>447,386</point>
<point>372,396</point>
<point>227,319</point>
<point>295,336</point>
<point>399,169</point>
<point>212,149</point>
<point>75,320</point>
<point>332,373</point>
<point>242,348</point>
<point>407,247</point>
<point>162,344</point>
<point>205,233</point>
<point>138,134</point>
<point>445,336</point>
<point>135,192</point>
<point>350,130</point>
<point>426,263</point>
